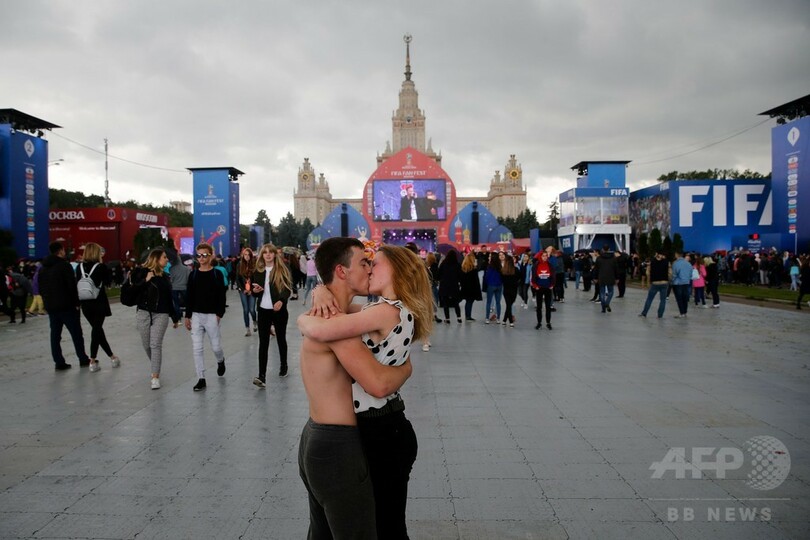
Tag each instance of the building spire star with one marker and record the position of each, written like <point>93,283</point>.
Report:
<point>407,38</point>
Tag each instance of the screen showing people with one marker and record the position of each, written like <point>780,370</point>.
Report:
<point>409,200</point>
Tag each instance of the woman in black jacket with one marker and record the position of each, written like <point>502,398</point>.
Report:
<point>470,285</point>
<point>98,308</point>
<point>510,277</point>
<point>449,285</point>
<point>271,285</point>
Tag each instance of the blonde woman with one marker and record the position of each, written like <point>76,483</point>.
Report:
<point>154,307</point>
<point>403,313</point>
<point>97,309</point>
<point>271,285</point>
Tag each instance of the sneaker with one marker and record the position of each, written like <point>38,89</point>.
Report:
<point>95,366</point>
<point>258,382</point>
<point>84,364</point>
<point>548,325</point>
<point>470,320</point>
<point>255,329</point>
<point>282,372</point>
<point>155,383</point>
<point>459,320</point>
<point>537,326</point>
<point>716,306</point>
<point>704,306</point>
<point>247,332</point>
<point>511,325</point>
<point>221,368</point>
<point>62,367</point>
<point>642,315</point>
<point>609,310</point>
<point>426,347</point>
<point>447,321</point>
<point>486,321</point>
<point>200,385</point>
<point>116,362</point>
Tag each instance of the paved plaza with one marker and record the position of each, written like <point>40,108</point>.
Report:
<point>522,433</point>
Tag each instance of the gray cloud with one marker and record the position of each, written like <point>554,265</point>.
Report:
<point>261,85</point>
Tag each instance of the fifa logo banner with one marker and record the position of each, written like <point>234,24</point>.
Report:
<point>790,144</point>
<point>216,209</point>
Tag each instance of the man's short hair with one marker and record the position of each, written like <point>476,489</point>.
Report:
<point>55,247</point>
<point>206,246</point>
<point>332,252</point>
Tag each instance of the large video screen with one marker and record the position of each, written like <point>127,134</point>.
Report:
<point>409,200</point>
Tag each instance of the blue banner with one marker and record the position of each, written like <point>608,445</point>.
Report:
<point>212,200</point>
<point>24,191</point>
<point>790,144</point>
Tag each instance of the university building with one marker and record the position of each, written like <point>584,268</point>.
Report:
<point>313,199</point>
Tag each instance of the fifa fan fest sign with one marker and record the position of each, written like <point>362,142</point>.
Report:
<point>216,208</point>
<point>790,144</point>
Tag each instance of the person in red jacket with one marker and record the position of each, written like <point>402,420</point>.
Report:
<point>543,284</point>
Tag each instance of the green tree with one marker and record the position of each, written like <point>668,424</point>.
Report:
<point>553,216</point>
<point>677,243</point>
<point>643,246</point>
<point>713,174</point>
<point>305,228</point>
<point>655,243</point>
<point>263,220</point>
<point>667,247</point>
<point>146,239</point>
<point>288,231</point>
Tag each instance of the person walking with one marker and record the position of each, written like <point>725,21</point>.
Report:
<point>607,269</point>
<point>470,285</point>
<point>681,280</point>
<point>493,284</point>
<point>659,274</point>
<point>19,288</point>
<point>699,282</point>
<point>244,270</point>
<point>57,284</point>
<point>543,276</point>
<point>804,279</point>
<point>205,307</point>
<point>712,280</point>
<point>37,306</point>
<point>178,275</point>
<point>510,278</point>
<point>450,285</point>
<point>312,277</point>
<point>524,270</point>
<point>97,309</point>
<point>154,308</point>
<point>271,284</point>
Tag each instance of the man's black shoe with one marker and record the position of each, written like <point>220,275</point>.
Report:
<point>62,367</point>
<point>283,371</point>
<point>608,308</point>
<point>200,385</point>
<point>84,364</point>
<point>221,368</point>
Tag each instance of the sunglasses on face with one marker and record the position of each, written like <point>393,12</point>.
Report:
<point>203,255</point>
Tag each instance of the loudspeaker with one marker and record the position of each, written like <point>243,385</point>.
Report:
<point>474,232</point>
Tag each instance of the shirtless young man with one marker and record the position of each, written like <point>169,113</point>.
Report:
<point>330,456</point>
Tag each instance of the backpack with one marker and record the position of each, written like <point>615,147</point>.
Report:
<point>131,294</point>
<point>87,288</point>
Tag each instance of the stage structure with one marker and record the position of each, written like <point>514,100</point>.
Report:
<point>596,212</point>
<point>216,208</point>
<point>24,196</point>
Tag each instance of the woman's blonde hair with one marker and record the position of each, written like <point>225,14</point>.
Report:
<point>412,286</point>
<point>92,253</point>
<point>280,277</point>
<point>430,259</point>
<point>153,259</point>
<point>470,262</point>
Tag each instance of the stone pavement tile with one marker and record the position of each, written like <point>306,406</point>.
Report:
<point>637,454</point>
<point>793,529</point>
<point>702,529</point>
<point>613,432</point>
<point>172,528</point>
<point>629,444</point>
<point>160,468</point>
<point>23,524</point>
<point>27,460</point>
<point>216,486</point>
<point>281,507</point>
<point>616,531</point>
<point>272,529</point>
<point>499,455</point>
<point>574,471</point>
<point>221,507</point>
<point>544,457</point>
<point>491,488</point>
<point>669,488</point>
<point>93,526</point>
<point>603,422</point>
<point>429,479</point>
<point>238,468</point>
<point>614,510</point>
<point>430,509</point>
<point>480,430</point>
<point>458,444</point>
<point>503,508</point>
<point>21,501</point>
<point>510,529</point>
<point>10,480</point>
<point>435,530</point>
<point>109,504</point>
<point>147,485</point>
<point>83,466</point>
<point>583,488</point>
<point>493,470</point>
<point>59,484</point>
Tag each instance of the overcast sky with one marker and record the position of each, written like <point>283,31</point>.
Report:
<point>260,85</point>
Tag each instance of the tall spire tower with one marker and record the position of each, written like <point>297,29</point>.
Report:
<point>408,121</point>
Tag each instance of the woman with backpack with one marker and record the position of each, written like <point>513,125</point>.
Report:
<point>155,307</point>
<point>96,309</point>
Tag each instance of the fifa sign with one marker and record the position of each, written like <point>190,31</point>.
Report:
<point>722,204</point>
